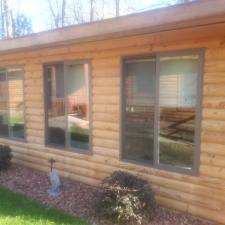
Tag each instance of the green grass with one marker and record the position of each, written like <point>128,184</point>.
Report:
<point>15,209</point>
<point>79,134</point>
<point>176,153</point>
<point>16,120</point>
<point>172,152</point>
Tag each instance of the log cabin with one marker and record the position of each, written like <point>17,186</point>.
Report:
<point>143,93</point>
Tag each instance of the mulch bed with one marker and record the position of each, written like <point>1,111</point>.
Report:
<point>77,197</point>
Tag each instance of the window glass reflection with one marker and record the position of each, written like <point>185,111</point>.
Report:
<point>139,109</point>
<point>77,105</point>
<point>67,102</point>
<point>3,104</point>
<point>16,103</point>
<point>178,94</point>
<point>55,104</point>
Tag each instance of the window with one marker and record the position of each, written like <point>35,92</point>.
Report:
<point>139,109</point>
<point>67,105</point>
<point>161,110</point>
<point>12,103</point>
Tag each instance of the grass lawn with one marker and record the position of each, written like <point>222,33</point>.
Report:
<point>16,209</point>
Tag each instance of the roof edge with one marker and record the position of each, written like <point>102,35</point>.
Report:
<point>197,13</point>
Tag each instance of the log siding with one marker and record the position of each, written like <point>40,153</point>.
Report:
<point>202,195</point>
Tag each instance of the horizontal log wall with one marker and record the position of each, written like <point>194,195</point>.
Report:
<point>201,196</point>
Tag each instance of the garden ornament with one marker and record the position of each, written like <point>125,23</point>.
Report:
<point>55,189</point>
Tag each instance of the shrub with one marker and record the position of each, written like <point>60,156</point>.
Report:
<point>125,198</point>
<point>5,157</point>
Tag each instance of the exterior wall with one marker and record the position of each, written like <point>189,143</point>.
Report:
<point>203,195</point>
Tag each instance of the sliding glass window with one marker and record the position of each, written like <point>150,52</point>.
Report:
<point>161,110</point>
<point>67,105</point>
<point>12,103</point>
<point>139,109</point>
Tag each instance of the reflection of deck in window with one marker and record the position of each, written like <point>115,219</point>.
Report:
<point>172,93</point>
<point>68,105</point>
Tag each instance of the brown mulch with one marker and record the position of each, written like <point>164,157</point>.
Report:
<point>77,197</point>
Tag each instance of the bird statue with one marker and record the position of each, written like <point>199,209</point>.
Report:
<point>55,188</point>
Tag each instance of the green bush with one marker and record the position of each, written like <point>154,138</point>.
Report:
<point>125,199</point>
<point>5,157</point>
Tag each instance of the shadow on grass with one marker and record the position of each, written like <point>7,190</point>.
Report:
<point>16,209</point>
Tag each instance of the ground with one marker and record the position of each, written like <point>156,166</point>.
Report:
<point>77,197</point>
<point>15,209</point>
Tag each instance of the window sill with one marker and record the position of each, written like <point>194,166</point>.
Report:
<point>72,150</point>
<point>13,139</point>
<point>163,167</point>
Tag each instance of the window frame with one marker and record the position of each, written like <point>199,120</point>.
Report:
<point>46,136</point>
<point>10,136</point>
<point>197,139</point>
